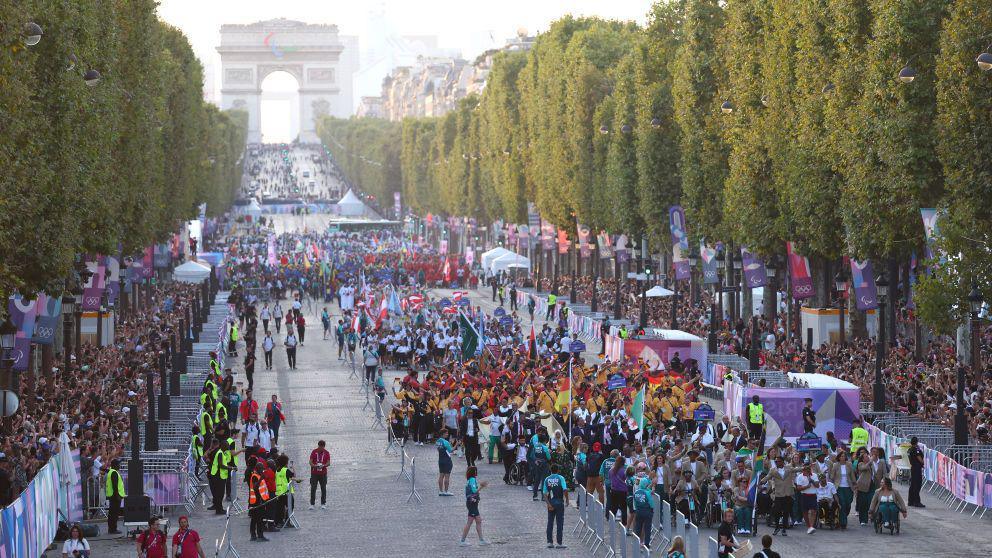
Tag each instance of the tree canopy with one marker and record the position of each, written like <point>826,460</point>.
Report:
<point>768,120</point>
<point>90,168</point>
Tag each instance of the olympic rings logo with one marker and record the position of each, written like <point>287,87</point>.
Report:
<point>91,300</point>
<point>803,289</point>
<point>43,332</point>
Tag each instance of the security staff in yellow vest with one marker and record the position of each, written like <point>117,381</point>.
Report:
<point>206,426</point>
<point>552,300</point>
<point>115,496</point>
<point>623,332</point>
<point>221,465</point>
<point>220,412</point>
<point>284,487</point>
<point>214,364</point>
<point>859,437</point>
<point>232,344</point>
<point>196,450</point>
<point>756,420</point>
<point>211,385</point>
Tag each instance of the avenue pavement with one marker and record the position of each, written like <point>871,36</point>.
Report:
<point>368,515</point>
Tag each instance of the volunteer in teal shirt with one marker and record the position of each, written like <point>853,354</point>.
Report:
<point>644,510</point>
<point>556,496</point>
<point>444,450</point>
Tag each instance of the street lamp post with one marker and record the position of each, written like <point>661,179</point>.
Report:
<point>772,270</point>
<point>878,390</point>
<point>693,277</point>
<point>711,340</point>
<point>735,280</point>
<point>594,304</point>
<point>100,312</point>
<point>9,382</point>
<point>644,297</point>
<point>68,309</point>
<point>675,304</point>
<point>840,282</point>
<point>718,288</point>
<point>975,302</point>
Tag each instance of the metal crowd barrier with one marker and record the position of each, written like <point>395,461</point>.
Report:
<point>974,457</point>
<point>597,529</point>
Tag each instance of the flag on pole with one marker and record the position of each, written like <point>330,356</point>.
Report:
<point>532,343</point>
<point>470,337</point>
<point>637,411</point>
<point>564,392</point>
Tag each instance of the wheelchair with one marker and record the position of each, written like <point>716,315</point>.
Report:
<point>827,514</point>
<point>518,474</point>
<point>876,521</point>
<point>715,505</point>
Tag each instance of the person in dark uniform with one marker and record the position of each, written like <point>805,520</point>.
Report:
<point>809,416</point>
<point>915,473</point>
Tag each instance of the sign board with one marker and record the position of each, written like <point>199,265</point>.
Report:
<point>616,382</point>
<point>444,303</point>
<point>704,412</point>
<point>576,346</point>
<point>499,312</point>
<point>506,321</point>
<point>464,302</point>
<point>809,442</point>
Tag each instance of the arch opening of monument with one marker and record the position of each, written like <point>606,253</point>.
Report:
<point>280,107</point>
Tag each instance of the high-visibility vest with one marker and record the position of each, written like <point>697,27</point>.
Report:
<point>552,299</point>
<point>206,423</point>
<point>755,413</point>
<point>197,445</point>
<point>859,439</point>
<point>234,333</point>
<point>220,412</point>
<point>213,388</point>
<point>219,469</point>
<point>214,366</point>
<point>257,486</point>
<point>110,484</point>
<point>282,481</point>
<point>623,333</point>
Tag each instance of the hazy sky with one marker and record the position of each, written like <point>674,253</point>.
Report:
<point>471,26</point>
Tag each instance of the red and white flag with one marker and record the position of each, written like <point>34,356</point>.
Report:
<point>457,296</point>
<point>447,270</point>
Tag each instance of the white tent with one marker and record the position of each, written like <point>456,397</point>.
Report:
<point>350,205</point>
<point>254,209</point>
<point>658,291</point>
<point>191,272</point>
<point>510,260</point>
<point>488,257</point>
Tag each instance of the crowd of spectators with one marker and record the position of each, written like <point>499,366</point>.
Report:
<point>91,400</point>
<point>924,387</point>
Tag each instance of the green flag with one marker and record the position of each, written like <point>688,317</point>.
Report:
<point>637,410</point>
<point>470,337</point>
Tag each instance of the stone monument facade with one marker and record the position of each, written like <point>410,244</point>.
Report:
<point>310,53</point>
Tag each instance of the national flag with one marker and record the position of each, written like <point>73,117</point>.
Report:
<point>356,323</point>
<point>752,489</point>
<point>447,270</point>
<point>457,296</point>
<point>532,343</point>
<point>394,303</point>
<point>655,379</point>
<point>415,301</point>
<point>383,312</point>
<point>564,393</point>
<point>470,337</point>
<point>637,411</point>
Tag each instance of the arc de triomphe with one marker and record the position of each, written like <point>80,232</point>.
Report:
<point>310,53</point>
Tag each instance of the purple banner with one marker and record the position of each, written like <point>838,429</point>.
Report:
<point>23,315</point>
<point>48,316</point>
<point>165,489</point>
<point>147,261</point>
<point>547,236</point>
<point>863,279</point>
<point>680,242</point>
<point>755,274</point>
<point>708,256</point>
<point>93,289</point>
<point>584,249</point>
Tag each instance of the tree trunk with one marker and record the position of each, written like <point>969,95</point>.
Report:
<point>769,299</point>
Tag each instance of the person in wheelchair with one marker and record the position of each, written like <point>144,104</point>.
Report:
<point>886,506</point>
<point>828,504</point>
<point>720,497</point>
<point>686,495</point>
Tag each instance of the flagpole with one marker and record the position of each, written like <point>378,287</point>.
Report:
<point>570,400</point>
<point>640,425</point>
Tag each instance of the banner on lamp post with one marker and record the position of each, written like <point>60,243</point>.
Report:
<point>605,251</point>
<point>755,274</point>
<point>863,279</point>
<point>802,278</point>
<point>680,242</point>
<point>708,256</point>
<point>584,249</point>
